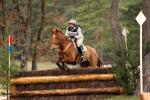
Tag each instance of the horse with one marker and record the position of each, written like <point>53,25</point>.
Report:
<point>68,54</point>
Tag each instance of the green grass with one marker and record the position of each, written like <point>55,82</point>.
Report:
<point>124,98</point>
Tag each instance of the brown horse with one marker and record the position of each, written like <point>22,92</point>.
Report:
<point>67,52</point>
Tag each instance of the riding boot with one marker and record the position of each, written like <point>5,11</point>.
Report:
<point>81,53</point>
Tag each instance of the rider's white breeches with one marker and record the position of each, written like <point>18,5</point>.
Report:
<point>79,41</point>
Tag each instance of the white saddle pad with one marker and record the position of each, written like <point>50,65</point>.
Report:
<point>84,48</point>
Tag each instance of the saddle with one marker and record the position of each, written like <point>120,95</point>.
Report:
<point>75,45</point>
<point>80,51</point>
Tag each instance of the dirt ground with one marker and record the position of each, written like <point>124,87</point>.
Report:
<point>48,65</point>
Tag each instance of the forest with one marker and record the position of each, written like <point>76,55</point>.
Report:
<point>102,23</point>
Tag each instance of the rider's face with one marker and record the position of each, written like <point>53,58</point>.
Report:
<point>71,25</point>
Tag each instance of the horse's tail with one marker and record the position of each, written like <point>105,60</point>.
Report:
<point>99,62</point>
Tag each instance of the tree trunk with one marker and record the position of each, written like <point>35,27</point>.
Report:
<point>1,24</point>
<point>4,20</point>
<point>23,63</point>
<point>39,36</point>
<point>116,28</point>
<point>27,35</point>
<point>146,56</point>
<point>146,33</point>
<point>26,22</point>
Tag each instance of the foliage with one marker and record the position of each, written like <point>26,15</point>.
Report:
<point>126,69</point>
<point>126,60</point>
<point>4,69</point>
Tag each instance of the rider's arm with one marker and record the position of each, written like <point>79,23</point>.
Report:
<point>66,33</point>
<point>79,33</point>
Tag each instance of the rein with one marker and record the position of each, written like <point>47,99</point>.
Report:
<point>67,47</point>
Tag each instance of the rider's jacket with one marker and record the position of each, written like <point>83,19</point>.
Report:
<point>74,32</point>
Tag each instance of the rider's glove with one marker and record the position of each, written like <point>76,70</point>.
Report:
<point>73,39</point>
<point>69,38</point>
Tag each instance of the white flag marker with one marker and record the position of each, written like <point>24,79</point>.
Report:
<point>141,19</point>
<point>125,32</point>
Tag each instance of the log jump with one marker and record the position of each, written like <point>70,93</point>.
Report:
<point>111,90</point>
<point>78,84</point>
<point>64,78</point>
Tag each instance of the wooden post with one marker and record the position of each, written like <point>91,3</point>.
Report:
<point>141,19</point>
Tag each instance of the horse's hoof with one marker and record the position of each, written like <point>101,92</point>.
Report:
<point>85,63</point>
<point>62,69</point>
<point>66,69</point>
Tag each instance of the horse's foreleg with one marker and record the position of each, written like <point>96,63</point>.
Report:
<point>61,64</point>
<point>68,60</point>
<point>58,63</point>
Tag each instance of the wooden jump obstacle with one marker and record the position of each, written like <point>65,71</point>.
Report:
<point>77,84</point>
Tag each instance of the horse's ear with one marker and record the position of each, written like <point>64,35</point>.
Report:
<point>57,30</point>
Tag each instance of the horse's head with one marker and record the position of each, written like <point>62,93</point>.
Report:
<point>56,37</point>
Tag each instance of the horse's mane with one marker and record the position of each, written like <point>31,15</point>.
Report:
<point>60,33</point>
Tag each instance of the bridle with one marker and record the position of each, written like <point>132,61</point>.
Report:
<point>53,38</point>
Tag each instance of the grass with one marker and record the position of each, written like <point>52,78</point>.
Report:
<point>124,98</point>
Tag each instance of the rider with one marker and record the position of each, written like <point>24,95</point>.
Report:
<point>73,31</point>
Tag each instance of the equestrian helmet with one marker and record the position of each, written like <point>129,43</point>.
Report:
<point>72,21</point>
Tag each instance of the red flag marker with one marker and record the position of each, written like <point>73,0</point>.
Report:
<point>9,40</point>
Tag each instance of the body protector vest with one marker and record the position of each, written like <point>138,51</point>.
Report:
<point>72,32</point>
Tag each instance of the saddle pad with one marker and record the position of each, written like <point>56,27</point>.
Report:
<point>84,48</point>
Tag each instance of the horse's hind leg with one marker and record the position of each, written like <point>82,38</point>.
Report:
<point>93,61</point>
